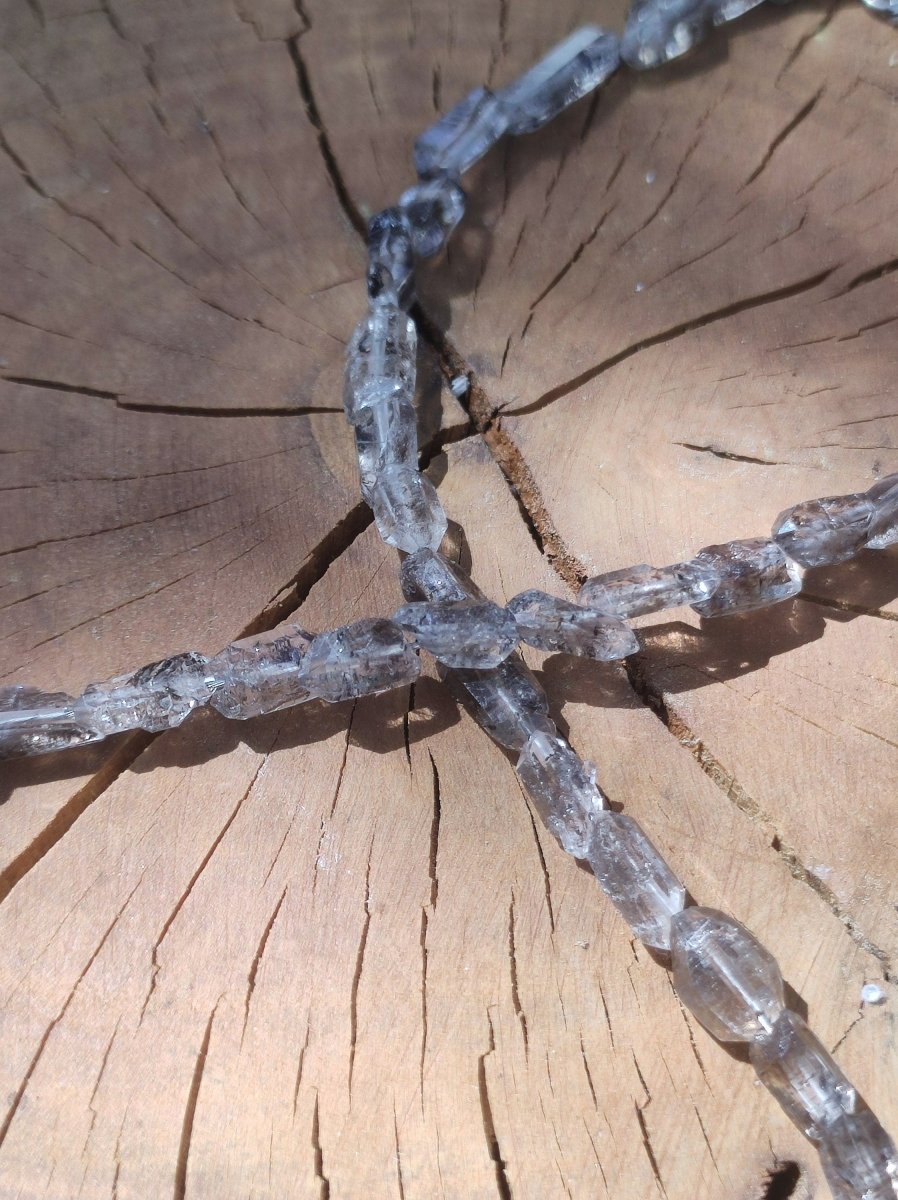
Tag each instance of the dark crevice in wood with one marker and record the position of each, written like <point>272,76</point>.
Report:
<point>728,454</point>
<point>55,385</point>
<point>357,974</point>
<point>789,128</point>
<point>513,970</point>
<point>183,410</point>
<point>257,959</point>
<point>190,1111</point>
<point>503,1188</point>
<point>318,1154</point>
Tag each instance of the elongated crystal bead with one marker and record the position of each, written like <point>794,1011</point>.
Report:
<point>380,361</point>
<point>155,697</point>
<point>642,589</point>
<point>798,1069</point>
<point>753,573</point>
<point>635,878</point>
<point>385,436</point>
<point>859,1158</point>
<point>467,633</point>
<point>550,623</point>
<point>563,789</point>
<point>574,67</point>
<point>407,509</point>
<point>358,660</point>
<point>826,531</point>
<point>261,674</point>
<point>888,8</point>
<point>722,11</point>
<point>429,575</point>
<point>884,498</point>
<point>432,209</point>
<point>36,722</point>
<point>391,277</point>
<point>461,136</point>
<point>724,975</point>
<point>658,31</point>
<point>508,702</point>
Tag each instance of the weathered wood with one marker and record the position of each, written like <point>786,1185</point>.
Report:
<point>329,951</point>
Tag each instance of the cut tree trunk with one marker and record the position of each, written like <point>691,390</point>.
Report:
<point>330,952</point>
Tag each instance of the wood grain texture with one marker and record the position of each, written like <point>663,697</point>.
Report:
<point>330,953</point>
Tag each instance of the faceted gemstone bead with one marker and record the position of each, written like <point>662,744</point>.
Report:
<point>385,436</point>
<point>644,589</point>
<point>569,71</point>
<point>798,1069</point>
<point>158,696</point>
<point>822,532</point>
<point>432,209</point>
<point>407,509</point>
<point>888,8</point>
<point>358,660</point>
<point>728,10</point>
<point>724,975</point>
<point>753,573</point>
<point>660,30</point>
<point>461,136</point>
<point>261,674</point>
<point>380,361</point>
<point>429,575</point>
<point>467,633</point>
<point>563,789</point>
<point>550,623</point>
<point>36,722</point>
<point>391,278</point>
<point>859,1159</point>
<point>884,498</point>
<point>635,877</point>
<point>508,702</point>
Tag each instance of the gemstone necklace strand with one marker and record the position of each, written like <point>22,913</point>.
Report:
<point>725,977</point>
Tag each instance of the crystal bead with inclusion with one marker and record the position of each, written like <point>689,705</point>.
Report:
<point>261,674</point>
<point>391,278</point>
<point>753,573</point>
<point>574,67</point>
<point>157,696</point>
<point>859,1159</point>
<point>36,722</point>
<point>634,591</point>
<point>407,509</point>
<point>724,975</point>
<point>550,623</point>
<point>822,532</point>
<point>380,361</point>
<point>635,878</point>
<point>800,1072</point>
<point>563,789</point>
<point>467,633</point>
<point>432,208</point>
<point>884,498</point>
<point>508,701</point>
<point>358,660</point>
<point>429,575</point>
<point>461,136</point>
<point>660,30</point>
<point>385,436</point>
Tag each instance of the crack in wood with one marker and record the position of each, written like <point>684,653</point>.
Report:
<point>180,1188</point>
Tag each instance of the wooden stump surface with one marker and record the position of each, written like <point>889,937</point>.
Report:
<point>330,953</point>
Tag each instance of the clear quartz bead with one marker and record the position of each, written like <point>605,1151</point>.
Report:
<point>576,66</point>
<point>824,532</point>
<point>729,10</point>
<point>358,660</point>
<point>467,633</point>
<point>887,7</point>
<point>391,278</point>
<point>507,700</point>
<point>385,436</point>
<point>380,361</point>
<point>461,136</point>
<point>407,509</point>
<point>800,1072</point>
<point>724,975</point>
<point>36,722</point>
<point>550,623</point>
<point>563,789</point>
<point>753,573</point>
<point>261,674</point>
<point>884,498</point>
<point>634,591</point>
<point>157,696</point>
<point>432,209</point>
<point>660,30</point>
<point>635,878</point>
<point>859,1158</point>
<point>429,575</point>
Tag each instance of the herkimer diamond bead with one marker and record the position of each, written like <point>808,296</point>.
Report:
<point>469,633</point>
<point>432,209</point>
<point>753,573</point>
<point>380,361</point>
<point>407,509</point>
<point>634,591</point>
<point>635,878</point>
<point>507,700</point>
<point>798,1069</point>
<point>261,674</point>
<point>724,975</point>
<point>859,1158</point>
<point>157,696</point>
<point>550,623</point>
<point>358,660</point>
<point>385,436</point>
<point>884,498</point>
<point>391,278</point>
<point>36,722</point>
<point>574,67</point>
<point>722,11</point>
<point>563,789</point>
<point>888,8</point>
<point>461,136</point>
<point>823,532</point>
<point>660,30</point>
<point>429,575</point>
